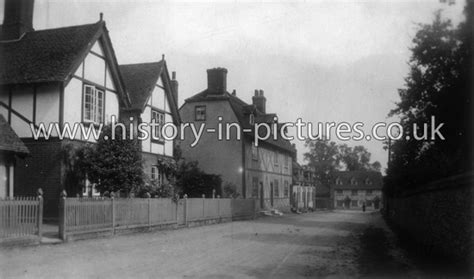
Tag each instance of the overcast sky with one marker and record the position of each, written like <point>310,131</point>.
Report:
<point>323,61</point>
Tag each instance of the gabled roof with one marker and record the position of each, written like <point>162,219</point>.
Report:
<point>140,81</point>
<point>45,55</point>
<point>53,55</point>
<point>360,177</point>
<point>9,141</point>
<point>242,111</point>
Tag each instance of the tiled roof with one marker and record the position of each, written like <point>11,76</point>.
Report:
<point>9,141</point>
<point>45,55</point>
<point>242,111</point>
<point>360,178</point>
<point>140,80</point>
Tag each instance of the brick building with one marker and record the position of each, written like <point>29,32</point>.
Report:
<point>263,172</point>
<point>353,189</point>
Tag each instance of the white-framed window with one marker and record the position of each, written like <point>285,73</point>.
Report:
<point>89,189</point>
<point>93,104</point>
<point>286,162</point>
<point>158,118</point>
<point>200,113</point>
<point>251,119</point>
<point>156,175</point>
<point>286,190</point>
<point>275,158</point>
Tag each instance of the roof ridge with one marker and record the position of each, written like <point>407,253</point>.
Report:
<point>145,63</point>
<point>66,27</point>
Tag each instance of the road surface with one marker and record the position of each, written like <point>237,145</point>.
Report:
<point>320,244</point>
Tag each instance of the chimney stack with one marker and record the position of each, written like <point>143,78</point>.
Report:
<point>18,19</point>
<point>260,101</point>
<point>217,81</point>
<point>174,87</point>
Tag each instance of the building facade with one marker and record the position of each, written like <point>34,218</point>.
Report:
<point>354,189</point>
<point>264,171</point>
<point>153,97</point>
<point>304,188</point>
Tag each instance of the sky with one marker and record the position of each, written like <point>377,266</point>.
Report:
<point>322,61</point>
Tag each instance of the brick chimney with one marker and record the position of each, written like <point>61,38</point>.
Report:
<point>217,81</point>
<point>18,19</point>
<point>259,101</point>
<point>174,86</point>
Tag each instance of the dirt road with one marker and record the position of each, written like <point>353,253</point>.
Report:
<point>319,244</point>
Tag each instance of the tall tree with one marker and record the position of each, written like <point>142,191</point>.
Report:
<point>436,86</point>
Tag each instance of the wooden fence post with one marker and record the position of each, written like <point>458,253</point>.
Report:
<point>203,206</point>
<point>185,209</point>
<point>40,213</point>
<point>149,210</point>
<point>62,215</point>
<point>112,198</point>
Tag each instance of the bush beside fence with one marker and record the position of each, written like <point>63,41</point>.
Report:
<point>80,217</point>
<point>21,219</point>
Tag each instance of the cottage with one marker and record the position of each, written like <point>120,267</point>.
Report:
<point>11,147</point>
<point>353,189</point>
<point>57,76</point>
<point>154,97</point>
<point>263,171</point>
<point>303,188</point>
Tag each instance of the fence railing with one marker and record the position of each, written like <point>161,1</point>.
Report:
<point>88,215</point>
<point>21,217</point>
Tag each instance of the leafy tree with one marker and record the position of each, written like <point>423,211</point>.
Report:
<point>326,157</point>
<point>438,85</point>
<point>194,182</point>
<point>323,157</point>
<point>116,165</point>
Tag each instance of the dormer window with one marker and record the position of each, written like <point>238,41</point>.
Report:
<point>368,181</point>
<point>353,181</point>
<point>338,181</point>
<point>93,104</point>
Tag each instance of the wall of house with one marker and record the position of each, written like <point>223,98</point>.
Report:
<point>37,103</point>
<point>94,70</point>
<point>357,200</point>
<point>7,171</point>
<point>214,156</point>
<point>271,167</point>
<point>41,169</point>
<point>159,102</point>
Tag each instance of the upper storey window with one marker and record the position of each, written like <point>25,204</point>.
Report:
<point>93,104</point>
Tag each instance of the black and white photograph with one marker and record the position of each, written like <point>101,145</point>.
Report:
<point>236,139</point>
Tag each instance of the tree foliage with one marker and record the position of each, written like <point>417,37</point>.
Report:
<point>115,165</point>
<point>437,85</point>
<point>194,182</point>
<point>326,157</point>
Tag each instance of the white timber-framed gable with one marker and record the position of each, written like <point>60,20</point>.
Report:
<point>158,109</point>
<point>91,96</point>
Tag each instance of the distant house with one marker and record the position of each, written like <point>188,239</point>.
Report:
<point>263,172</point>
<point>11,147</point>
<point>154,97</point>
<point>64,76</point>
<point>304,187</point>
<point>353,189</point>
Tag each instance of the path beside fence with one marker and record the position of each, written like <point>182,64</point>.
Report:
<point>92,217</point>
